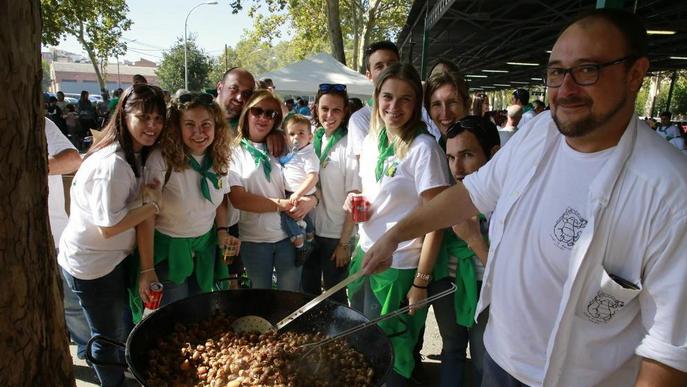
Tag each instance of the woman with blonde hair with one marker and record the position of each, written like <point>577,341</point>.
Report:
<point>401,168</point>
<point>257,190</point>
<point>191,169</point>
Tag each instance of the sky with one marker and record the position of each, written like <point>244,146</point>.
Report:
<point>156,24</point>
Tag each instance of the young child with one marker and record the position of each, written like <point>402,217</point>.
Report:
<point>301,173</point>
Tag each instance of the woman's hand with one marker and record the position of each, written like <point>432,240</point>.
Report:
<point>415,295</point>
<point>144,281</point>
<point>152,194</point>
<point>348,206</point>
<point>230,242</point>
<point>302,207</point>
<point>276,143</point>
<point>341,255</point>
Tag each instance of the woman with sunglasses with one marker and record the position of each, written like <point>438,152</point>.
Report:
<point>401,167</point>
<point>257,190</point>
<point>105,211</point>
<point>191,167</point>
<point>328,263</point>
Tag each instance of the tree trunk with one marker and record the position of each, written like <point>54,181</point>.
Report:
<point>369,23</point>
<point>91,55</point>
<point>334,27</point>
<point>357,51</point>
<point>34,350</point>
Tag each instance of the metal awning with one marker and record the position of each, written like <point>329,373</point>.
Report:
<point>483,36</point>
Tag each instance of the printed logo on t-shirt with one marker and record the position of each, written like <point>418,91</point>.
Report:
<point>391,169</point>
<point>602,308</point>
<point>568,229</point>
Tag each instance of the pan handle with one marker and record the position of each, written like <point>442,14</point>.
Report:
<point>91,358</point>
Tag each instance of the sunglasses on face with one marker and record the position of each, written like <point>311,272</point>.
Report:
<point>201,98</point>
<point>256,111</point>
<point>327,87</point>
<point>466,123</point>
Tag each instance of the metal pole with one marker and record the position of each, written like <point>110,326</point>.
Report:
<point>186,45</point>
<point>670,90</point>
<point>425,45</point>
<point>119,80</point>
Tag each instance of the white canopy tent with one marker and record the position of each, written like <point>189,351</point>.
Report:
<point>302,78</point>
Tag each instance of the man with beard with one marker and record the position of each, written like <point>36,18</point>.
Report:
<point>585,275</point>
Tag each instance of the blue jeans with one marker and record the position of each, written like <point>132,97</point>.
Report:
<point>105,302</point>
<point>74,317</point>
<point>260,259</point>
<point>172,291</point>
<point>455,338</point>
<point>321,268</point>
<point>291,227</point>
<point>495,376</point>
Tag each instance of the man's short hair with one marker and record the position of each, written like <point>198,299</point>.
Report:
<point>522,95</point>
<point>376,46</point>
<point>666,114</point>
<point>629,25</point>
<point>514,111</point>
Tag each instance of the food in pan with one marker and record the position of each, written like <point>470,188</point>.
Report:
<point>211,354</point>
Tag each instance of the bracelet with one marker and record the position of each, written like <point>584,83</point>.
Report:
<point>147,270</point>
<point>225,228</point>
<point>423,276</point>
<point>420,287</point>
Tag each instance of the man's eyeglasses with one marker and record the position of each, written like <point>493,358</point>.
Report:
<point>201,98</point>
<point>327,87</point>
<point>260,112</point>
<point>583,75</point>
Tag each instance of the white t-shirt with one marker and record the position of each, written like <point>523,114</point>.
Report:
<point>296,170</point>
<point>526,116</point>
<point>57,143</point>
<point>423,168</point>
<point>358,126</point>
<point>103,191</point>
<point>184,212</point>
<point>258,227</point>
<point>673,134</point>
<point>506,133</point>
<point>432,127</point>
<point>338,177</point>
<point>553,213</point>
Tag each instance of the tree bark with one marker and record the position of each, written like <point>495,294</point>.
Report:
<point>334,28</point>
<point>34,349</point>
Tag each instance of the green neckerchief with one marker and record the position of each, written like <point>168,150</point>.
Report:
<point>205,174</point>
<point>259,156</point>
<point>370,101</point>
<point>465,297</point>
<point>386,149</point>
<point>338,134</point>
<point>233,122</point>
<point>442,142</point>
<point>390,288</point>
<point>185,257</point>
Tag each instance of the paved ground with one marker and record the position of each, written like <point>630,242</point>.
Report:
<point>85,377</point>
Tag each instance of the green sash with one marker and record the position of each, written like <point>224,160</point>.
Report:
<point>465,297</point>
<point>185,256</point>
<point>259,156</point>
<point>391,287</point>
<point>205,174</point>
<point>338,134</point>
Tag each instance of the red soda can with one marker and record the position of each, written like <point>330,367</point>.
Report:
<point>155,296</point>
<point>361,208</point>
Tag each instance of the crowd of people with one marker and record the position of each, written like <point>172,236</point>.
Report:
<point>563,229</point>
